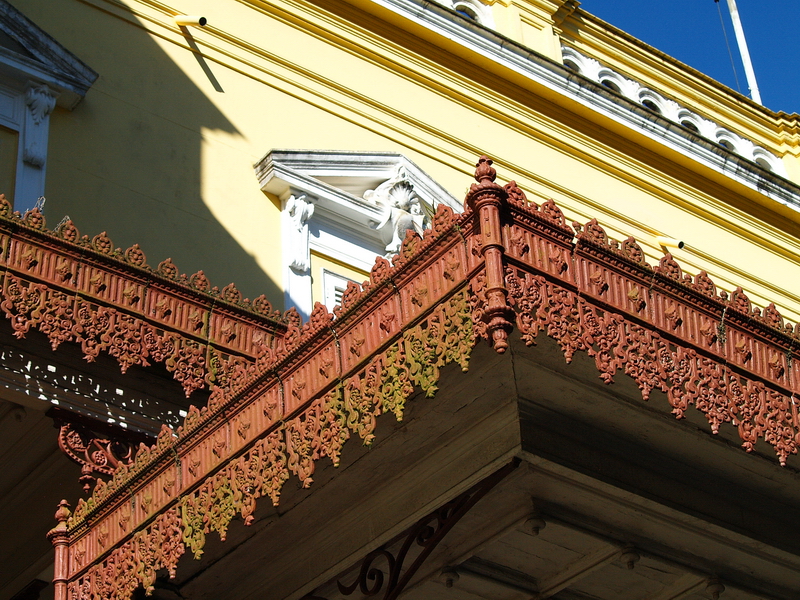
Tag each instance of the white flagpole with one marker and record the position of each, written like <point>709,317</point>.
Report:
<point>745,53</point>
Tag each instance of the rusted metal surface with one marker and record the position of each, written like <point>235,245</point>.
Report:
<point>328,379</point>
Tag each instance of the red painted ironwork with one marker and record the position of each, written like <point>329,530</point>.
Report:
<point>328,379</point>
<point>97,447</point>
<point>487,199</point>
<point>80,290</point>
<point>59,537</point>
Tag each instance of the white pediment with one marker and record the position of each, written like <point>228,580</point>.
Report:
<point>355,190</point>
<point>350,206</point>
<point>30,56</point>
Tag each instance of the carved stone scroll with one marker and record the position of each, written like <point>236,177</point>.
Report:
<point>40,101</point>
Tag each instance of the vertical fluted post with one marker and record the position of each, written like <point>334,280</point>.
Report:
<point>487,200</point>
<point>60,539</point>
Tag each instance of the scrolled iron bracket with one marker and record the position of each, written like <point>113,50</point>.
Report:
<point>381,572</point>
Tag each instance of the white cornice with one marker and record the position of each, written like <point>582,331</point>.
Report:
<point>379,166</point>
<point>558,78</point>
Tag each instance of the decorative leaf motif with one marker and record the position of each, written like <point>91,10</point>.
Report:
<point>517,196</point>
<point>443,219</point>
<point>68,231</point>
<point>633,251</point>
<point>200,282</point>
<point>551,211</point>
<point>262,306</point>
<point>34,219</point>
<point>380,271</point>
<point>704,285</point>
<point>595,233</point>
<point>167,268</point>
<point>231,294</point>
<point>669,268</point>
<point>396,383</point>
<point>5,207</point>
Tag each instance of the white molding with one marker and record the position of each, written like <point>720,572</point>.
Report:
<point>482,12</point>
<point>33,127</point>
<point>556,77</point>
<point>340,223</point>
<point>40,101</point>
<point>669,109</point>
<point>45,62</point>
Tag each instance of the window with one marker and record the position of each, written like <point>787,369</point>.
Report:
<point>690,126</point>
<point>9,154</point>
<point>762,162</point>
<point>340,210</point>
<point>466,11</point>
<point>650,105</point>
<point>474,10</point>
<point>334,286</point>
<point>611,85</point>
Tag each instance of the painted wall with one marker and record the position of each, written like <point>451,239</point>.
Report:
<point>160,151</point>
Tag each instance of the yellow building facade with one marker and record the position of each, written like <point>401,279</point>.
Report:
<point>162,148</point>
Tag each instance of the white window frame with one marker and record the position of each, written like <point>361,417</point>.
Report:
<point>333,286</point>
<point>31,121</point>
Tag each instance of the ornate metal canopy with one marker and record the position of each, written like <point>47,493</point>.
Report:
<point>506,268</point>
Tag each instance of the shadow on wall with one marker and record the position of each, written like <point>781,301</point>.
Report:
<point>127,160</point>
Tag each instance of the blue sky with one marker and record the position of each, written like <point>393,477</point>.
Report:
<point>690,30</point>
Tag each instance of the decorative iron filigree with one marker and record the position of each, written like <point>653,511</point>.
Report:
<point>98,452</point>
<point>424,536</point>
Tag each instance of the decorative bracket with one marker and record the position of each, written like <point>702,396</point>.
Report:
<point>41,101</point>
<point>423,537</point>
<point>97,447</point>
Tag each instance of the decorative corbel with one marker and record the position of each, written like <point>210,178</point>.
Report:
<point>97,447</point>
<point>563,13</point>
<point>41,101</point>
<point>299,209</point>
<point>488,199</point>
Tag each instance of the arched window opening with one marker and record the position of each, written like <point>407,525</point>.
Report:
<point>467,11</point>
<point>611,86</point>
<point>572,65</point>
<point>727,145</point>
<point>690,126</point>
<point>762,162</point>
<point>650,105</point>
